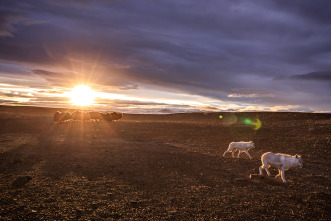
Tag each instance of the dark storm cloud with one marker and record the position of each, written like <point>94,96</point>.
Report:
<point>228,50</point>
<point>317,76</point>
<point>7,19</point>
<point>317,11</point>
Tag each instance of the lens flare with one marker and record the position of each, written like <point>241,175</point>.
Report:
<point>247,121</point>
<point>228,118</point>
<point>255,123</point>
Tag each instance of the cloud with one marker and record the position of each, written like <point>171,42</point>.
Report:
<point>126,103</point>
<point>97,79</point>
<point>9,102</point>
<point>64,79</point>
<point>208,49</point>
<point>208,108</point>
<point>15,94</point>
<point>51,76</point>
<point>317,12</point>
<point>316,76</point>
<point>8,18</point>
<point>290,108</point>
<point>284,108</point>
<point>251,95</point>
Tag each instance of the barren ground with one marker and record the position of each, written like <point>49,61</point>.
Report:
<point>160,167</point>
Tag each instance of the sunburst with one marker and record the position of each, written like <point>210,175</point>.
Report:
<point>82,95</point>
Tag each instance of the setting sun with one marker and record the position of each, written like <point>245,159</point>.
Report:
<point>82,95</point>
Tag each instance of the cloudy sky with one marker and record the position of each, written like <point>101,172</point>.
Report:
<point>153,56</point>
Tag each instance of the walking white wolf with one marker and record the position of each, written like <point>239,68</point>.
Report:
<point>281,161</point>
<point>241,146</point>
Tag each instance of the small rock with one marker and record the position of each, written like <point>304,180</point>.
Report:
<point>116,216</point>
<point>16,161</point>
<point>172,212</point>
<point>21,181</point>
<point>95,205</point>
<point>134,203</point>
<point>79,213</point>
<point>109,196</point>
<point>256,176</point>
<point>103,215</point>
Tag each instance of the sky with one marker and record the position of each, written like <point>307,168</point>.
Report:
<point>153,56</point>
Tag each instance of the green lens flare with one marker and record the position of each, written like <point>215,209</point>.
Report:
<point>228,119</point>
<point>247,121</point>
<point>256,123</point>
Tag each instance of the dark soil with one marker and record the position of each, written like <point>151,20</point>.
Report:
<point>161,167</point>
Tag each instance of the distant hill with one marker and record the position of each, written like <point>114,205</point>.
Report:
<point>6,111</point>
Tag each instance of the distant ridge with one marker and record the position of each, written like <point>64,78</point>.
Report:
<point>42,111</point>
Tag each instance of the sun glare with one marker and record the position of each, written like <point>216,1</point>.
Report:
<point>82,95</point>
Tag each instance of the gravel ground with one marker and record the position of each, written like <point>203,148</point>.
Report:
<point>161,167</point>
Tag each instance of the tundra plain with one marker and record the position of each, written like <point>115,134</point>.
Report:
<point>161,167</point>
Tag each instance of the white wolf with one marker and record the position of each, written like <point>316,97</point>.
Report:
<point>281,161</point>
<point>241,146</point>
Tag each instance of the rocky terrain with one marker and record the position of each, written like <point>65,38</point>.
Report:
<point>161,167</point>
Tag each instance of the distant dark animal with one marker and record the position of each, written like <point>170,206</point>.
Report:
<point>116,116</point>
<point>67,116</point>
<point>96,116</point>
<point>281,161</point>
<point>76,116</point>
<point>58,117</point>
<point>61,116</point>
<point>86,116</point>
<point>107,117</point>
